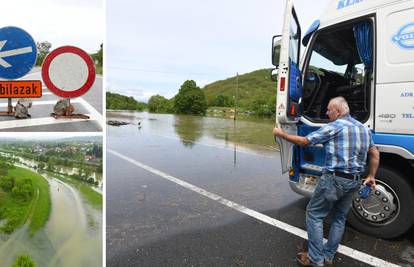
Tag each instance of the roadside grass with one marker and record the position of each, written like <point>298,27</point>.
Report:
<point>99,69</point>
<point>18,212</point>
<point>91,196</point>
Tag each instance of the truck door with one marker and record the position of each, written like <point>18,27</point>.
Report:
<point>289,89</point>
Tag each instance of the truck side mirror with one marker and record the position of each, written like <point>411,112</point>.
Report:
<point>273,74</point>
<point>276,43</point>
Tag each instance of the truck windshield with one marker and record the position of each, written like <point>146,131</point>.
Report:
<point>335,68</point>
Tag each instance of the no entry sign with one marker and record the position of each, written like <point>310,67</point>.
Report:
<point>68,71</point>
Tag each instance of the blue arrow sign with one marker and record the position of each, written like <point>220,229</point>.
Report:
<point>18,52</point>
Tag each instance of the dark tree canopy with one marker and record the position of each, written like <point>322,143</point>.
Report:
<point>190,99</point>
<point>160,104</point>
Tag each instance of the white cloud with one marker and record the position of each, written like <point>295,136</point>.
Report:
<point>61,22</point>
<point>163,43</point>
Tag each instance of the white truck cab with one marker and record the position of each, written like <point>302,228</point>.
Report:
<point>362,50</point>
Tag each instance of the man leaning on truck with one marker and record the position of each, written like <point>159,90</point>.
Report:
<point>346,142</point>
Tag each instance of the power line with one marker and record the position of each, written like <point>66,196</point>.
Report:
<point>165,72</point>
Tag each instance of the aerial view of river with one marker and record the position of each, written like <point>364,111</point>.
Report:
<point>71,237</point>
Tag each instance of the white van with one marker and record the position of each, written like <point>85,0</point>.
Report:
<point>362,50</point>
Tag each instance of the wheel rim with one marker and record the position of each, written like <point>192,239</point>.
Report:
<point>380,208</point>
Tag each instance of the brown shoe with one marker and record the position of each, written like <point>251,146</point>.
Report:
<point>302,259</point>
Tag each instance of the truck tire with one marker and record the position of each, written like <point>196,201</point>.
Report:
<point>388,211</point>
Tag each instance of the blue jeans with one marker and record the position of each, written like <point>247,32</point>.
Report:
<point>332,194</point>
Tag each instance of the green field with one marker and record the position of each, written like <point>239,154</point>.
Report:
<point>35,212</point>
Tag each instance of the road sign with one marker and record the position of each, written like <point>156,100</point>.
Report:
<point>68,71</point>
<point>18,52</point>
<point>21,89</point>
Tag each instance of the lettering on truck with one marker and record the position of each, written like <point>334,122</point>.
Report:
<point>347,3</point>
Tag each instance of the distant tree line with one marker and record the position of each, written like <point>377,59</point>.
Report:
<point>43,49</point>
<point>251,93</point>
<point>121,102</point>
<point>190,99</point>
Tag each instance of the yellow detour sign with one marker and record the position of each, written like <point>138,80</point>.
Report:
<point>21,89</point>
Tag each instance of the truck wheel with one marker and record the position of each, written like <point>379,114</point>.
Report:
<point>388,211</point>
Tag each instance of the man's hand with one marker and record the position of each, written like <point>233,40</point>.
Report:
<point>278,132</point>
<point>370,180</point>
<point>298,140</point>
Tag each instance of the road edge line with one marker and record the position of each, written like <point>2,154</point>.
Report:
<point>347,251</point>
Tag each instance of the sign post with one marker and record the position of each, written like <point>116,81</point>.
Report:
<point>68,72</point>
<point>18,54</point>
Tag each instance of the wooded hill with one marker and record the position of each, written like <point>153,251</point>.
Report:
<point>256,92</point>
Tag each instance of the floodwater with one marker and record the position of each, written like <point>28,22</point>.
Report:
<point>252,134</point>
<point>153,222</point>
<point>71,237</point>
<point>60,169</point>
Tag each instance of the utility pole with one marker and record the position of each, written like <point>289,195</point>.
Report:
<point>237,92</point>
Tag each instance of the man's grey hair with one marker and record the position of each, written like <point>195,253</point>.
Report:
<point>341,104</point>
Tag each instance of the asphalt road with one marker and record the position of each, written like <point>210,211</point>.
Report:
<point>90,104</point>
<point>152,221</point>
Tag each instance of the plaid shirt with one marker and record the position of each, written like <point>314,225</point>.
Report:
<point>346,142</point>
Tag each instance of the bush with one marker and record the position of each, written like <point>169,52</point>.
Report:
<point>160,104</point>
<point>6,183</point>
<point>24,261</point>
<point>23,189</point>
<point>2,197</point>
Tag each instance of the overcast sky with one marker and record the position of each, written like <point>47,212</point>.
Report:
<point>60,22</point>
<point>46,135</point>
<point>154,46</point>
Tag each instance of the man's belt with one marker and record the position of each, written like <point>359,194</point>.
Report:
<point>350,176</point>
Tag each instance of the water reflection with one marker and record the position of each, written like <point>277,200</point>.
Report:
<point>246,133</point>
<point>188,128</point>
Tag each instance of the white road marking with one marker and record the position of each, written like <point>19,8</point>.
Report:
<point>350,252</point>
<point>93,116</point>
<point>35,122</point>
<point>94,113</point>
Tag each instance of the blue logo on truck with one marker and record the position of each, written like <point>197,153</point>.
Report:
<point>347,3</point>
<point>407,94</point>
<point>405,36</point>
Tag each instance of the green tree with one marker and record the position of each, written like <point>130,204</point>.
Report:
<point>222,101</point>
<point>98,59</point>
<point>23,189</point>
<point>2,197</point>
<point>263,105</point>
<point>160,104</point>
<point>24,260</point>
<point>121,102</point>
<point>190,99</point>
<point>41,165</point>
<point>43,49</point>
<point>6,183</point>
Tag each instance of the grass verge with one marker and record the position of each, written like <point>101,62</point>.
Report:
<point>91,196</point>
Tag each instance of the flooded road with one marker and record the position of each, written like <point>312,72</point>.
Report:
<point>71,237</point>
<point>158,213</point>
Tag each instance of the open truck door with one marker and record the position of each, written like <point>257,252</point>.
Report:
<point>285,56</point>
